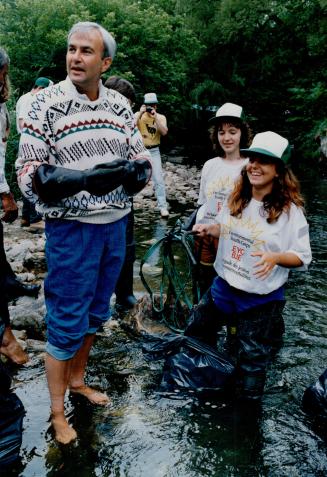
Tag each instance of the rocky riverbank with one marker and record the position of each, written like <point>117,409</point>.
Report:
<point>25,249</point>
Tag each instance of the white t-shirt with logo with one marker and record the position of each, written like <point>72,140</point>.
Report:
<point>217,181</point>
<point>239,237</point>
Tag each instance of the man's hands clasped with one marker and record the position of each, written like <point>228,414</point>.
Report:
<point>53,183</point>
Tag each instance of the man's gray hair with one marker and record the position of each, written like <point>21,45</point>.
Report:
<point>109,42</point>
<point>4,58</point>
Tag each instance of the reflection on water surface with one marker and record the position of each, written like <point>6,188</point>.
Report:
<point>146,434</point>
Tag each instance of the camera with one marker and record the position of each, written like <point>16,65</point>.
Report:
<point>149,109</point>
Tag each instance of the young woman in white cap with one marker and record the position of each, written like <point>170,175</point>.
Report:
<point>229,132</point>
<point>262,235</point>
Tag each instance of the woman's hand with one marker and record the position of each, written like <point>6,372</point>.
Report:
<point>270,259</point>
<point>201,230</point>
<point>265,265</point>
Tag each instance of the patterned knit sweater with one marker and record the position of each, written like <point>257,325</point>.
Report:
<point>64,128</point>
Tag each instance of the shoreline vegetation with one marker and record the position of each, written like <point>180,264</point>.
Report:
<point>268,56</point>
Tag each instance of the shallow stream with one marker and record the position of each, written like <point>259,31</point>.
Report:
<point>146,434</point>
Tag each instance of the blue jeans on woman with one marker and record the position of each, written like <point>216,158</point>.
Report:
<point>84,261</point>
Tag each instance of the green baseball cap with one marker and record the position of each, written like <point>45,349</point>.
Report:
<point>42,82</point>
<point>269,144</point>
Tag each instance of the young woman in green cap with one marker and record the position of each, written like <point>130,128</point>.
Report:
<point>262,234</point>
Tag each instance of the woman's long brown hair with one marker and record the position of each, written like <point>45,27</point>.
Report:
<point>286,189</point>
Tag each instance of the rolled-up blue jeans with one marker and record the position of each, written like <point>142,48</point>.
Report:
<point>84,262</point>
<point>157,177</point>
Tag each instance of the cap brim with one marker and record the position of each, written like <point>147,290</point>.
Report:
<point>216,119</point>
<point>256,151</point>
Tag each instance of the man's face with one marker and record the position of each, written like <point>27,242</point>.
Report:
<point>84,60</point>
<point>3,75</point>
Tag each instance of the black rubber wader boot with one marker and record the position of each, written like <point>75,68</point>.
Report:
<point>259,334</point>
<point>205,321</point>
<point>125,299</point>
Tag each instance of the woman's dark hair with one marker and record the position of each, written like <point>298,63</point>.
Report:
<point>121,85</point>
<point>246,134</point>
<point>286,189</point>
<point>4,60</point>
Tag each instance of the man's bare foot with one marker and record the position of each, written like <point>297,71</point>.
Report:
<point>63,432</point>
<point>94,396</point>
<point>12,349</point>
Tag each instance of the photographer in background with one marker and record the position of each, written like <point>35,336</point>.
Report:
<point>152,126</point>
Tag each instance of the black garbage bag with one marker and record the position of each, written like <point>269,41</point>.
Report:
<point>315,397</point>
<point>189,363</point>
<point>5,380</point>
<point>11,422</point>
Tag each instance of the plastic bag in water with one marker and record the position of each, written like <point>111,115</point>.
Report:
<point>315,397</point>
<point>189,363</point>
<point>11,422</point>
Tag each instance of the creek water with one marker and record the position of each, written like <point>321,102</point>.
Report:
<point>147,434</point>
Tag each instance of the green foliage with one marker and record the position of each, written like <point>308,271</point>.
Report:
<point>153,46</point>
<point>263,51</point>
<point>268,55</point>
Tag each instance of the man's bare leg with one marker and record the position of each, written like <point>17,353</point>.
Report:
<point>76,382</point>
<point>11,348</point>
<point>58,376</point>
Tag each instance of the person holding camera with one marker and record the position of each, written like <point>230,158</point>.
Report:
<point>152,126</point>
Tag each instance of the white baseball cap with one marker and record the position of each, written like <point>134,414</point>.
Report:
<point>150,98</point>
<point>228,110</point>
<point>269,144</point>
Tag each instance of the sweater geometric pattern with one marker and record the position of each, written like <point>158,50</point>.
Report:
<point>66,129</point>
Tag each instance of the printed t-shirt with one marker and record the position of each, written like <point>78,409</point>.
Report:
<point>217,181</point>
<point>239,237</point>
<point>148,128</point>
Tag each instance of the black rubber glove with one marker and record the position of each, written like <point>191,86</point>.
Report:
<point>53,183</point>
<point>138,176</point>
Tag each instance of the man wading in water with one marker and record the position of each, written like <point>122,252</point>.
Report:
<point>82,177</point>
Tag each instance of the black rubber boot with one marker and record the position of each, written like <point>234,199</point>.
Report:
<point>230,344</point>
<point>205,321</point>
<point>252,386</point>
<point>125,298</point>
<point>258,330</point>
